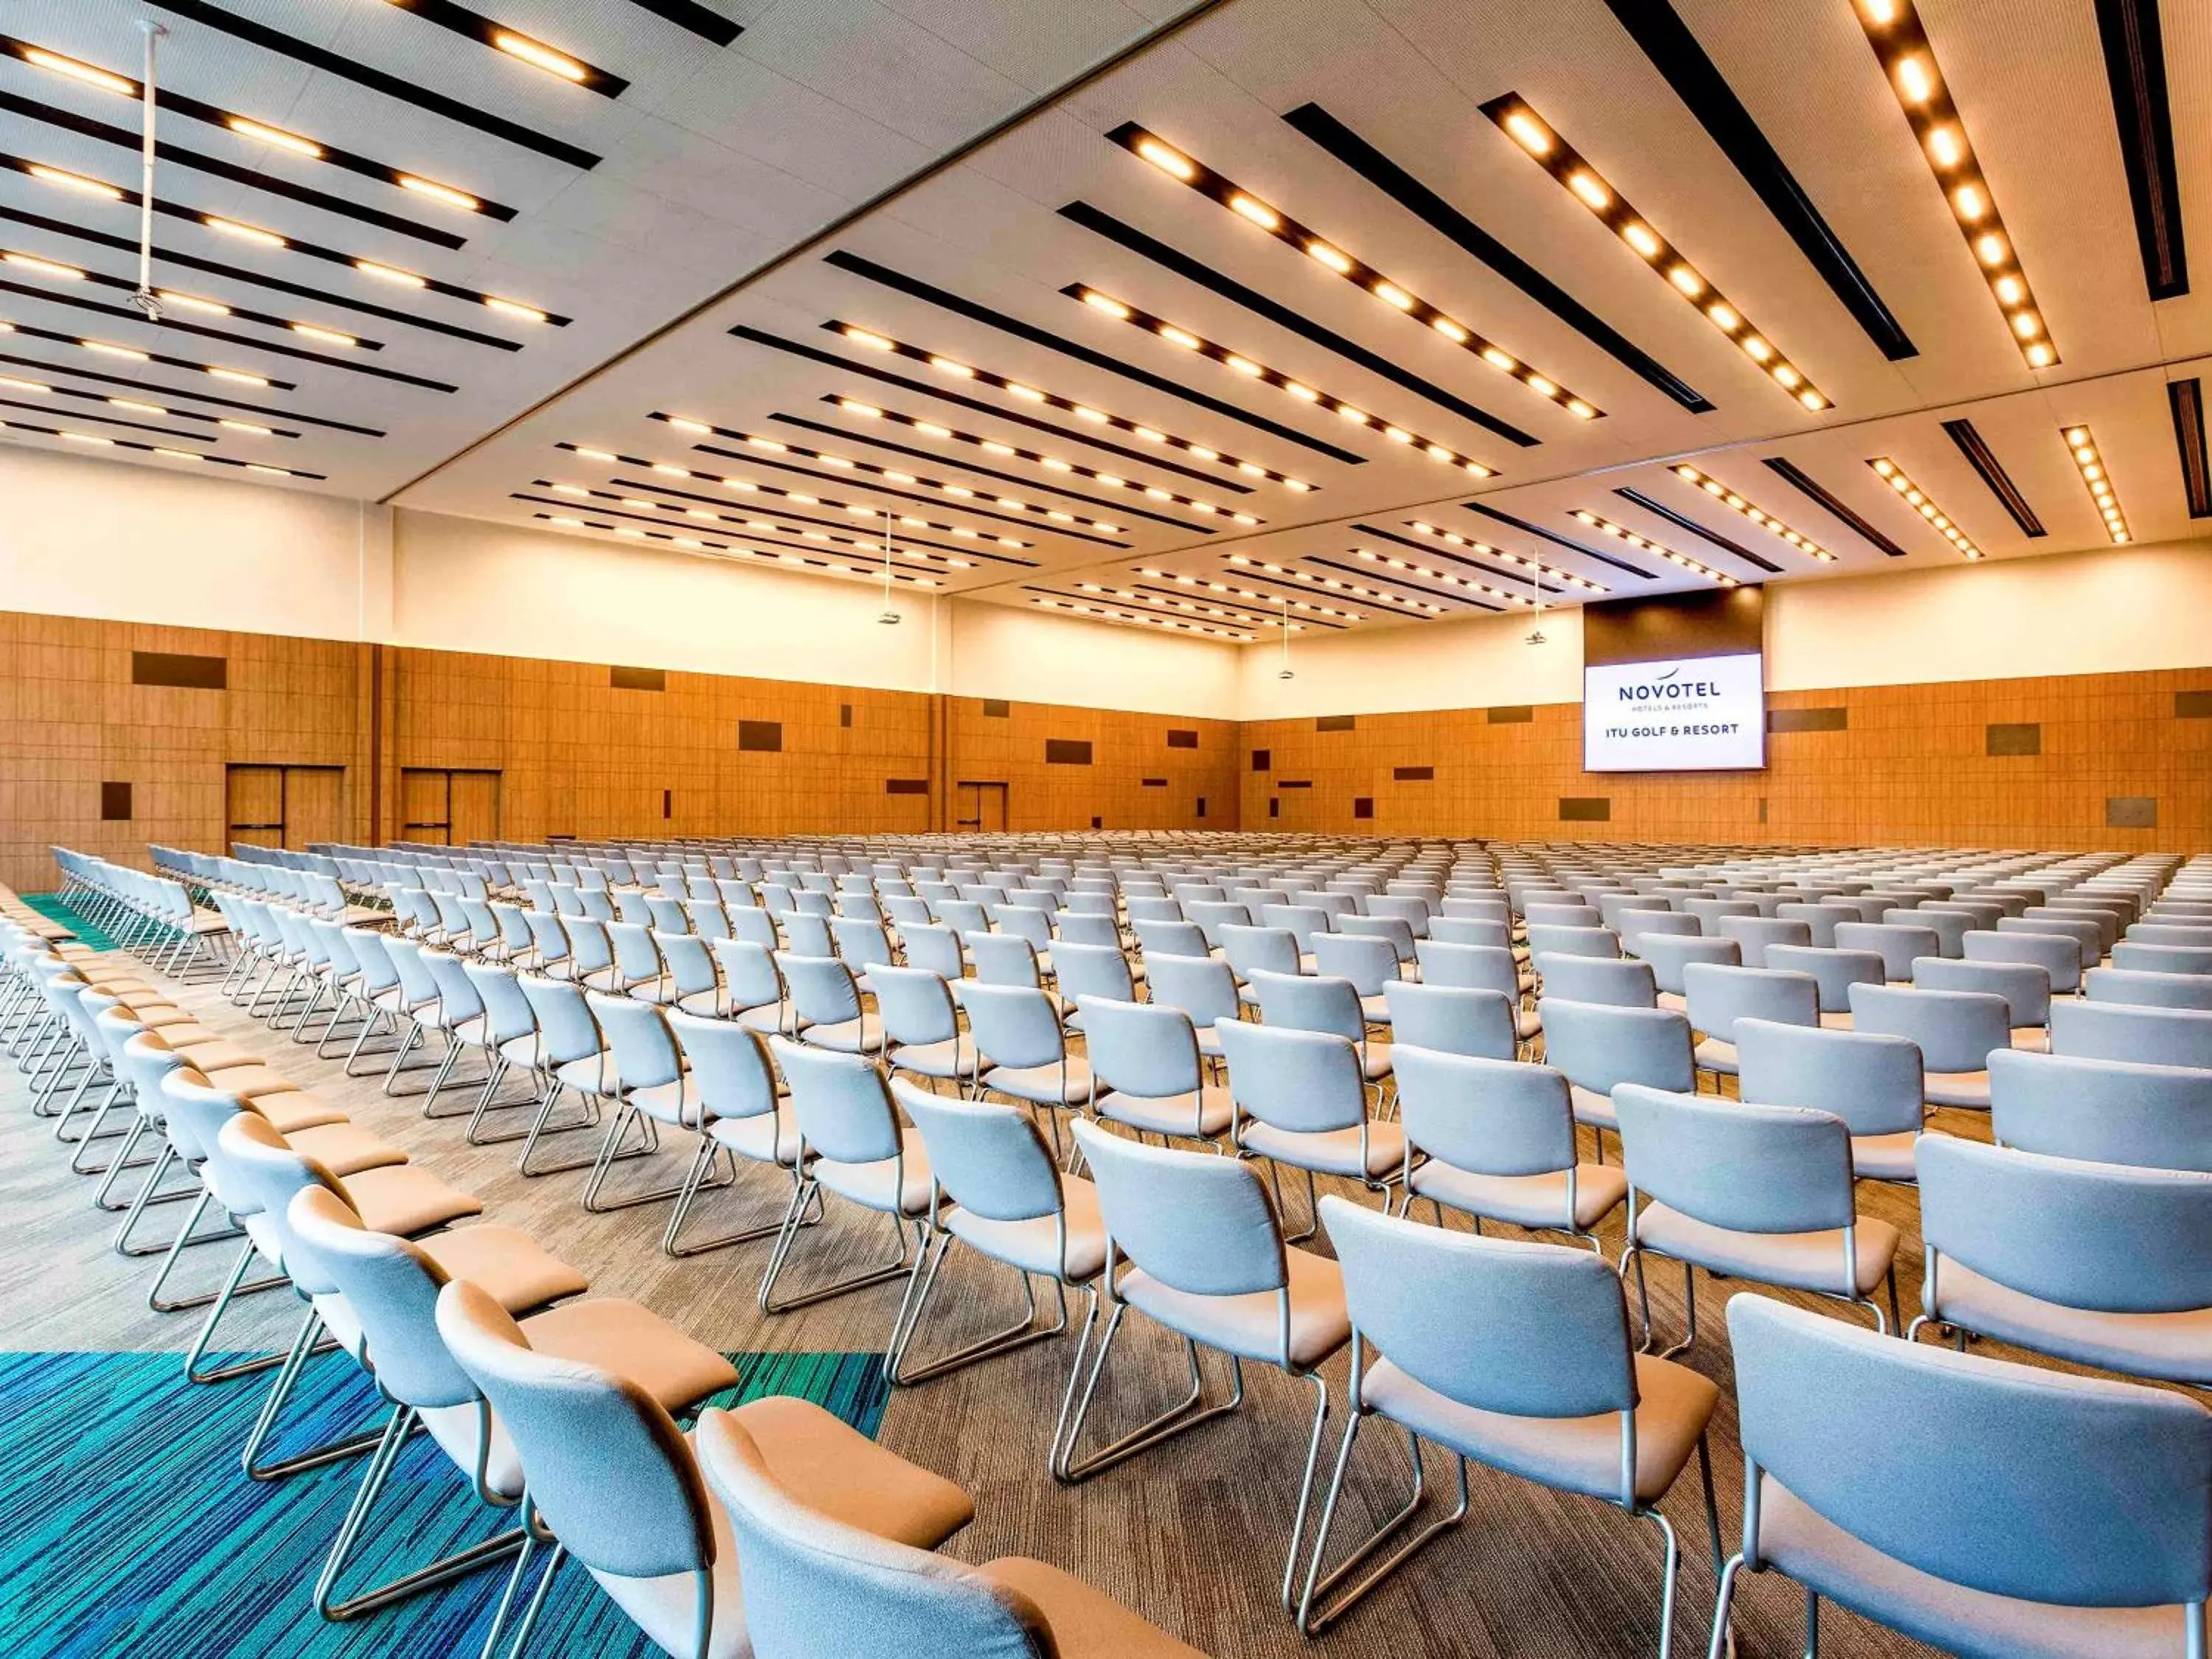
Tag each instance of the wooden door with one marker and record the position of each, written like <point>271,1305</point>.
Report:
<point>425,812</point>
<point>982,807</point>
<point>255,805</point>
<point>472,807</point>
<point>315,805</point>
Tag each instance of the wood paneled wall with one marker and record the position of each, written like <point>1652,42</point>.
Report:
<point>576,755</point>
<point>1900,764</point>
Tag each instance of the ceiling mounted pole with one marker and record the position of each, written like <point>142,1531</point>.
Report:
<point>145,299</point>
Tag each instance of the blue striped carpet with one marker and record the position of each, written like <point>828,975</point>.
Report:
<point>127,1526</point>
<point>55,909</point>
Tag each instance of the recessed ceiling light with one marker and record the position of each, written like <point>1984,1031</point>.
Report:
<point>260,134</point>
<point>390,274</point>
<point>253,234</point>
<point>438,192</point>
<point>75,181</point>
<point>192,302</point>
<point>2087,461</point>
<point>1916,498</point>
<point>514,308</point>
<point>246,427</point>
<point>1582,180</point>
<point>1431,574</point>
<point>538,56</point>
<point>1219,188</point>
<point>136,407</point>
<point>1766,520</point>
<point>1901,46</point>
<point>1605,526</point>
<point>240,376</point>
<point>85,72</point>
<point>9,383</point>
<point>330,337</point>
<point>1422,527</point>
<point>130,352</point>
<point>39,267</point>
<point>180,454</point>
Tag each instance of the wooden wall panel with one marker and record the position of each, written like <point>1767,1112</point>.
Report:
<point>1126,749</point>
<point>1909,764</point>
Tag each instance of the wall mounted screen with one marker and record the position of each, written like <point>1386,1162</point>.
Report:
<point>1676,684</point>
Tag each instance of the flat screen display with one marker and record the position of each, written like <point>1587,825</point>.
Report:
<point>1696,714</point>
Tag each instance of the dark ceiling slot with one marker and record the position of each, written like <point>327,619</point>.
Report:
<point>1417,198</point>
<point>476,27</point>
<point>213,167</point>
<point>256,279</point>
<point>1396,607</point>
<point>2135,64</point>
<point>1070,434</point>
<point>849,526</point>
<point>1985,462</point>
<point>1429,549</point>
<point>1526,528</point>
<point>1205,276</point>
<point>193,397</point>
<point>735,532</point>
<point>1660,509</point>
<point>1812,489</point>
<point>102,398</point>
<point>100,417</point>
<point>238,314</point>
<point>1674,53</point>
<point>392,86</point>
<point>1389,578</point>
<point>2187,399</point>
<point>28,331</point>
<point>177,326</point>
<point>1036,488</point>
<point>1225,602</point>
<point>914,288</point>
<point>134,445</point>
<point>690,15</point>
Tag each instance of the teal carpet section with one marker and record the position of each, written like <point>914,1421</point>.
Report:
<point>127,1526</point>
<point>53,909</point>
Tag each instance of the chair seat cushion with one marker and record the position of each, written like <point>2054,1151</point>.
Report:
<point>1593,1107</point>
<point>1205,1115</point>
<point>2173,1347</point>
<point>210,1053</point>
<point>1526,1023</point>
<point>594,1074</point>
<point>1524,1200</point>
<point>406,1200</point>
<point>937,1059</point>
<point>344,1149</point>
<point>1673,1000</point>
<point>676,1102</point>
<point>507,1264</point>
<point>1034,1246</point>
<point>1570,1454</point>
<point>1836,1019</point>
<point>296,1110</point>
<point>632,1341</point>
<point>1793,1537</point>
<point>877,1185</point>
<point>764,1137</point>
<point>835,1469</point>
<point>1712,1054</point>
<point>1804,1261</point>
<point>1041,1085</point>
<point>1330,1151</point>
<point>1086,1623</point>
<point>1970,1088</point>
<point>864,1036</point>
<point>1884,1158</point>
<point>1249,1325</point>
<point>1375,1059</point>
<point>255,1082</point>
<point>2032,1039</point>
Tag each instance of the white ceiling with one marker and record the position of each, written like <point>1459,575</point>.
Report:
<point>722,162</point>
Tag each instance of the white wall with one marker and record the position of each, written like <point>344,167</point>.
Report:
<point>86,538</point>
<point>1000,651</point>
<point>1476,663</point>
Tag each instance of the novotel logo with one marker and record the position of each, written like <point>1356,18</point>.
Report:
<point>1665,687</point>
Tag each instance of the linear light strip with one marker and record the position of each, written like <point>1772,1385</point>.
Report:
<point>761,525</point>
<point>692,543</point>
<point>1917,499</point>
<point>2091,465</point>
<point>1245,592</point>
<point>1333,584</point>
<point>522,48</point>
<point>1191,607</point>
<point>33,389</point>
<point>1444,576</point>
<point>1137,619</point>
<point>1251,207</point>
<point>1908,62</point>
<point>871,551</point>
<point>1107,305</point>
<point>1622,532</point>
<point>1452,538</point>
<point>1728,498</point>
<point>1542,142</point>
<point>1157,590</point>
<point>57,270</point>
<point>95,441</point>
<point>41,388</point>
<point>892,475</point>
<point>259,131</point>
<point>960,371</point>
<point>132,354</point>
<point>797,497</point>
<point>868,411</point>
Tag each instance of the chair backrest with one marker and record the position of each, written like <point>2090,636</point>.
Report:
<point>730,1067</point>
<point>603,1463</point>
<point>2101,1237</point>
<point>2113,1030</point>
<point>822,988</point>
<point>1719,997</point>
<point>1950,927</point>
<point>1638,926</point>
<point>565,1025</point>
<point>2104,1111</point>
<point>842,1103</point>
<point>1897,944</point>
<point>818,1589</point>
<point>2162,958</point>
<point>1819,917</point>
<point>1572,941</point>
<point>1394,931</point>
<point>1014,1025</point>
<point>1496,1117</point>
<point>2025,987</point>
<point>1148,1050</point>
<point>2016,1481</point>
<point>914,1004</point>
<point>645,1052</point>
<point>1473,967</point>
<point>1092,970</point>
<point>1757,934</point>
<point>2058,955</point>
<point>1092,929</point>
<point>1003,959</point>
<point>989,1158</point>
<point>1872,1082</point>
<point>1450,1019</point>
<point>1170,938</point>
<point>1198,1222</point>
<point>1304,1081</point>
<point>1749,1169</point>
<point>1599,1047</point>
<point>2135,988</point>
<point>2088,936</point>
<point>1371,964</point>
<point>1274,949</point>
<point>1563,916</point>
<point>1469,930</point>
<point>1618,982</point>
<point>1500,1325</point>
<point>1669,954</point>
<point>1199,986</point>
<point>458,1000</point>
<point>1309,1002</point>
<point>391,1287</point>
<point>1957,1030</point>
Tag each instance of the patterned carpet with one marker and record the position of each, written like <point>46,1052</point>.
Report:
<point>55,909</point>
<point>127,1526</point>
